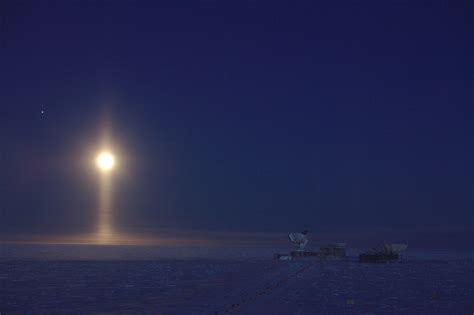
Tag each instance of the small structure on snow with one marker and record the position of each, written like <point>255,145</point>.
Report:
<point>300,240</point>
<point>383,254</point>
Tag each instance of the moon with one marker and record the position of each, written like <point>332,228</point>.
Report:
<point>105,161</point>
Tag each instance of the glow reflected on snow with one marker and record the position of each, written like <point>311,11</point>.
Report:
<point>105,231</point>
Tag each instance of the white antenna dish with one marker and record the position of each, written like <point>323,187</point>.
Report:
<point>299,240</point>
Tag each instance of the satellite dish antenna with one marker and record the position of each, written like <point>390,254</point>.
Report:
<point>299,240</point>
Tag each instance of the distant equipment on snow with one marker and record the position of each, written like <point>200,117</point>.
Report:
<point>395,248</point>
<point>384,253</point>
<point>299,240</point>
<point>333,250</point>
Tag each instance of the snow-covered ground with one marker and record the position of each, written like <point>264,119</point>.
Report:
<point>238,280</point>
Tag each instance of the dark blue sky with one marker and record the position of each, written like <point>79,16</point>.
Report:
<point>239,116</point>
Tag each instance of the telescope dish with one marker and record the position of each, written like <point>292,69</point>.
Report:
<point>299,240</point>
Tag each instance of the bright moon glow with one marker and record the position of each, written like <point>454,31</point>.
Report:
<point>105,161</point>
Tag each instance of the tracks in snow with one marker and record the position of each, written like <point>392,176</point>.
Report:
<point>268,289</point>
